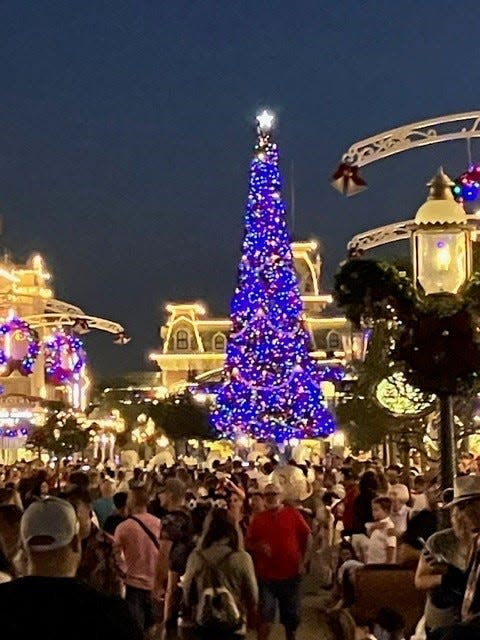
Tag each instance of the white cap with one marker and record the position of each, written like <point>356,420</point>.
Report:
<point>49,518</point>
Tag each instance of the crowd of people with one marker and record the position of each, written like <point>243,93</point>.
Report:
<point>212,553</point>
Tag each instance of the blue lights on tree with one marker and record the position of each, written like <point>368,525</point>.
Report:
<point>272,387</point>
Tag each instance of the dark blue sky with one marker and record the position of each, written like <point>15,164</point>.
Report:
<point>125,134</point>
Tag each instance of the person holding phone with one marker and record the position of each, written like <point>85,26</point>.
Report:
<point>467,499</point>
<point>442,568</point>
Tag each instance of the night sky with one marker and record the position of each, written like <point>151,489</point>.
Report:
<point>126,135</point>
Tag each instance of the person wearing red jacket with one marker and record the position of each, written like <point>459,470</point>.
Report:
<point>279,540</point>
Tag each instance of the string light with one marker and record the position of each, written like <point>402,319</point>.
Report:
<point>272,386</point>
<point>21,432</point>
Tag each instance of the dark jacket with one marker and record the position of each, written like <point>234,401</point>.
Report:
<point>362,511</point>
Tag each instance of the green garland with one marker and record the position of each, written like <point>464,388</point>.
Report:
<point>435,336</point>
<point>370,290</point>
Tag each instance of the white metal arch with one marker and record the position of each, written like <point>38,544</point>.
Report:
<point>58,306</point>
<point>390,233</point>
<point>66,320</point>
<point>418,134</point>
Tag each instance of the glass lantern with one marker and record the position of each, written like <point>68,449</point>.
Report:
<point>355,344</point>
<point>442,258</point>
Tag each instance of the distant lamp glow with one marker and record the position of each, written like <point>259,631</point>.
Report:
<point>328,389</point>
<point>265,121</point>
<point>160,392</point>
<point>338,439</point>
<point>243,441</point>
<point>163,442</point>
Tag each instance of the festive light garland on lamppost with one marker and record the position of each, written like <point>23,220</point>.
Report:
<point>59,347</point>
<point>15,326</point>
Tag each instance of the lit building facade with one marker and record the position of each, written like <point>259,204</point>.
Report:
<point>41,353</point>
<point>194,343</point>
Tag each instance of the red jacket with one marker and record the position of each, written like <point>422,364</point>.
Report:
<point>277,540</point>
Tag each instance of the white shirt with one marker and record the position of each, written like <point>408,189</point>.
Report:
<point>380,541</point>
<point>400,519</point>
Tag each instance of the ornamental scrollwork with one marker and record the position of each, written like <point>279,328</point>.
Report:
<point>417,134</point>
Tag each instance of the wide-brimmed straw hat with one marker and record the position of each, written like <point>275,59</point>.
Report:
<point>465,489</point>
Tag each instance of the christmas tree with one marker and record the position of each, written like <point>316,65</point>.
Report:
<point>272,387</point>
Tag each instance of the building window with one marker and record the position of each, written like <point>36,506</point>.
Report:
<point>333,340</point>
<point>219,342</point>
<point>181,340</point>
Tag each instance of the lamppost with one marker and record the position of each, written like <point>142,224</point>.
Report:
<point>432,318</point>
<point>442,264</point>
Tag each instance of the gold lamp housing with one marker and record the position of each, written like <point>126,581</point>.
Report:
<point>441,241</point>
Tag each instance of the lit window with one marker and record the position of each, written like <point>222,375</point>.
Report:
<point>333,340</point>
<point>219,341</point>
<point>181,339</point>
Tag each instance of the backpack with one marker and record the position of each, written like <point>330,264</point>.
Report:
<point>217,614</point>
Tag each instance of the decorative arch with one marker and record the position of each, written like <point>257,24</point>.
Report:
<point>457,126</point>
<point>446,128</point>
